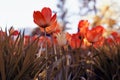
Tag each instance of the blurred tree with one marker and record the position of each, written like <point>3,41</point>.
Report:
<point>87,6</point>
<point>106,14</point>
<point>62,13</point>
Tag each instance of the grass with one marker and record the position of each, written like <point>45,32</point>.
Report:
<point>20,62</point>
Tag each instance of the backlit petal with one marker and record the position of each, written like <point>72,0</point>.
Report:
<point>47,13</point>
<point>38,18</point>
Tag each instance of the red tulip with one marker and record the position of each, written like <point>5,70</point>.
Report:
<point>45,20</point>
<point>74,40</point>
<point>95,34</point>
<point>83,26</point>
<point>116,37</point>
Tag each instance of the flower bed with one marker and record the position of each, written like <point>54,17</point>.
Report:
<point>89,54</point>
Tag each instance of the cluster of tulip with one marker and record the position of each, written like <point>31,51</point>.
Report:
<point>85,37</point>
<point>30,55</point>
<point>96,36</point>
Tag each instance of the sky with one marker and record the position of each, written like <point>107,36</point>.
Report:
<point>19,13</point>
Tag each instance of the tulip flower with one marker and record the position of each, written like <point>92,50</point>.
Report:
<point>45,20</point>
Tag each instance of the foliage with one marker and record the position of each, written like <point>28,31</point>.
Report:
<point>107,62</point>
<point>53,54</point>
<point>19,62</point>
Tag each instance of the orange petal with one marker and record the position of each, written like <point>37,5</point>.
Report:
<point>39,18</point>
<point>83,26</point>
<point>83,23</point>
<point>114,34</point>
<point>47,13</point>
<point>50,28</point>
<point>53,18</point>
<point>75,43</point>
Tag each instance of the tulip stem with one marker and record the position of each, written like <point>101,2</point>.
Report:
<point>46,51</point>
<point>54,47</point>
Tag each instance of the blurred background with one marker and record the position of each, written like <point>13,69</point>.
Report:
<point>19,13</point>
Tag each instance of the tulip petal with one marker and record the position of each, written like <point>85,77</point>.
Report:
<point>39,18</point>
<point>53,18</point>
<point>47,13</point>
